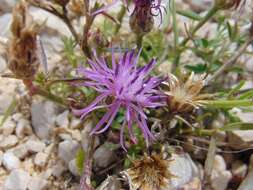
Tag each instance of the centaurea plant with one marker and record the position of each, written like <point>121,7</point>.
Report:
<point>128,86</point>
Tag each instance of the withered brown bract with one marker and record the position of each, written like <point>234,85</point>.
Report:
<point>150,172</point>
<point>23,58</point>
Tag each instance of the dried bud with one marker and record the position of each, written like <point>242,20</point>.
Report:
<point>141,20</point>
<point>77,7</point>
<point>23,59</point>
<point>228,4</point>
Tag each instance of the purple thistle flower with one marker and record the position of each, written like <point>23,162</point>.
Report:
<point>128,86</point>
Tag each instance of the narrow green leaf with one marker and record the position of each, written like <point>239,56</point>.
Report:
<point>226,104</point>
<point>9,111</point>
<point>80,156</point>
<point>237,126</point>
<point>236,89</point>
<point>189,14</point>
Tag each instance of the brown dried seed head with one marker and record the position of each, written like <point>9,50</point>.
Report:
<point>150,172</point>
<point>23,58</point>
<point>183,97</point>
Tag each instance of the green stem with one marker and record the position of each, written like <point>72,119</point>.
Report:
<point>209,15</point>
<point>139,40</point>
<point>120,19</point>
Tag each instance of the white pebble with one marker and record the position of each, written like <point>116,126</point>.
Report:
<point>37,183</point>
<point>17,180</point>
<point>10,161</point>
<point>40,159</point>
<point>8,141</point>
<point>35,146</point>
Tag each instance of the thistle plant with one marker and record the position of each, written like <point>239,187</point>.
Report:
<point>112,78</point>
<point>123,85</point>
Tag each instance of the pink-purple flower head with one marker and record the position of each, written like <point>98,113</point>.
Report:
<point>128,87</point>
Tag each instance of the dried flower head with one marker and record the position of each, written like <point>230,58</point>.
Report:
<point>23,59</point>
<point>149,173</point>
<point>185,96</point>
<point>124,86</point>
<point>228,4</point>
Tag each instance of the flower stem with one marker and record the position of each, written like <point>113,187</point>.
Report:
<point>208,16</point>
<point>231,61</point>
<point>228,103</point>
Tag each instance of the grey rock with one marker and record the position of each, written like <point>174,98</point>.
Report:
<point>8,141</point>
<point>43,114</point>
<point>73,168</point>
<point>52,23</point>
<point>1,157</point>
<point>58,169</point>
<point>85,135</point>
<point>184,168</point>
<point>35,146</point>
<point>7,5</point>
<point>37,183</point>
<point>67,150</point>
<point>40,159</point>
<point>20,151</point>
<point>62,119</point>
<point>17,180</point>
<point>2,64</point>
<point>220,175</point>
<point>5,22</point>
<point>103,157</point>
<point>111,182</point>
<point>10,161</point>
<point>247,183</point>
<point>239,169</point>
<point>23,128</point>
<point>8,127</point>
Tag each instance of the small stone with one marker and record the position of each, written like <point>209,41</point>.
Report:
<point>1,157</point>
<point>23,128</point>
<point>8,141</point>
<point>17,116</point>
<point>10,161</point>
<point>8,127</point>
<point>62,120</point>
<point>73,168</point>
<point>40,159</point>
<point>219,163</point>
<point>17,180</point>
<point>247,183</point>
<point>103,157</point>
<point>220,176</point>
<point>46,174</point>
<point>85,135</point>
<point>75,122</point>
<point>58,169</point>
<point>35,146</point>
<point>43,114</point>
<point>37,183</point>
<point>67,150</point>
<point>20,151</point>
<point>76,135</point>
<point>239,169</point>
